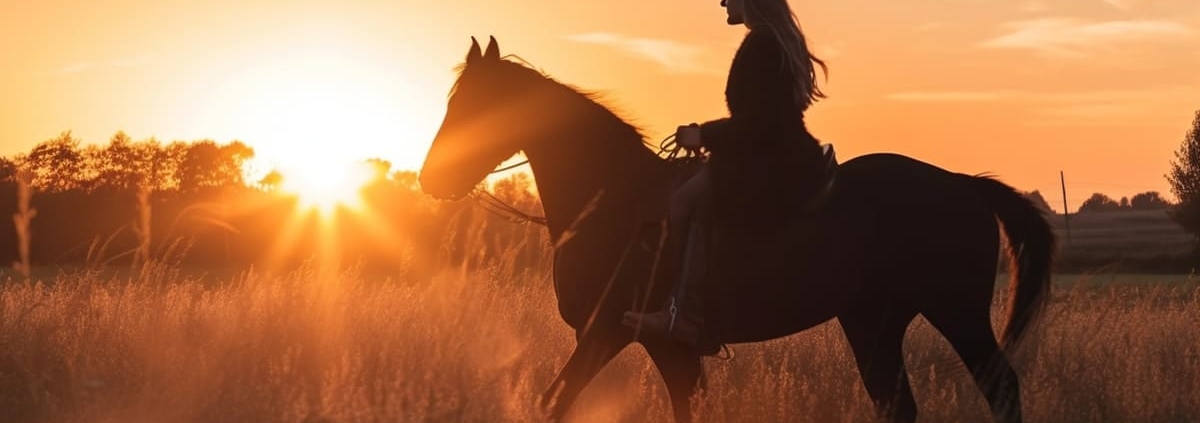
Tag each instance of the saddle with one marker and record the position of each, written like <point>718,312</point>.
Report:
<point>827,178</point>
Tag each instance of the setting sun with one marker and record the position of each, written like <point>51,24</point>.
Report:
<point>322,101</point>
<point>328,186</point>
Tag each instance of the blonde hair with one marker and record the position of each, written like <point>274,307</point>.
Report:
<point>777,16</point>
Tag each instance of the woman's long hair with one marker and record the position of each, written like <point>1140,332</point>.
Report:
<point>778,17</point>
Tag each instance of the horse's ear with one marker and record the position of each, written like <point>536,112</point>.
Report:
<point>493,49</point>
<point>473,54</point>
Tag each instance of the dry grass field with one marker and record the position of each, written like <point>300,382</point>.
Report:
<point>161,346</point>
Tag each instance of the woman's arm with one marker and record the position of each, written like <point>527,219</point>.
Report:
<point>762,97</point>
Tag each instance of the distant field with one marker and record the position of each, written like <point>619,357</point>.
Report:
<point>1121,242</point>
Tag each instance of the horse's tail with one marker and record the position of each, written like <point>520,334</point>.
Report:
<point>1031,247</point>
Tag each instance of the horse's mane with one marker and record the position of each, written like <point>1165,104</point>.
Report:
<point>594,99</point>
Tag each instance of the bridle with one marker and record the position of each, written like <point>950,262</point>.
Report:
<point>512,214</point>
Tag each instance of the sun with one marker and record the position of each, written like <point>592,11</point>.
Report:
<point>328,186</point>
<point>314,102</point>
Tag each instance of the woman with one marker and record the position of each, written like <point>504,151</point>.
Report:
<point>761,147</point>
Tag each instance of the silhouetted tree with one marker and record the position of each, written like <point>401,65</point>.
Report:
<point>1124,203</point>
<point>1185,179</point>
<point>271,181</point>
<point>379,169</point>
<point>115,166</point>
<point>1149,200</point>
<point>124,165</point>
<point>56,164</point>
<point>158,163</point>
<point>1039,201</point>
<point>1099,203</point>
<point>8,169</point>
<point>515,190</point>
<point>406,180</point>
<point>206,165</point>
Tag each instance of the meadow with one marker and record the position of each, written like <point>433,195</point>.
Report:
<point>1131,241</point>
<point>320,345</point>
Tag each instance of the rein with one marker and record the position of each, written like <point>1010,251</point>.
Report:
<point>498,207</point>
<point>508,212</point>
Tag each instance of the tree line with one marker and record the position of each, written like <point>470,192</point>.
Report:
<point>62,164</point>
<point>1146,201</point>
<point>189,203</point>
<point>1099,202</point>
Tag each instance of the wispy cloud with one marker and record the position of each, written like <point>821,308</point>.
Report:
<point>80,67</point>
<point>673,56</point>
<point>1035,6</point>
<point>827,51</point>
<point>1121,95</point>
<point>1128,4</point>
<point>949,96</point>
<point>1120,4</point>
<point>930,26</point>
<point>1074,38</point>
<point>1059,106</point>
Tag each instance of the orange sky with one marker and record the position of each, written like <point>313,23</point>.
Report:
<point>1102,89</point>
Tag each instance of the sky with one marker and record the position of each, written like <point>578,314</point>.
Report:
<point>1102,90</point>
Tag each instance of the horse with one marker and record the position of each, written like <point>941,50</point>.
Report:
<point>894,238</point>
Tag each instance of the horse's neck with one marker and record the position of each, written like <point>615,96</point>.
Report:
<point>583,170</point>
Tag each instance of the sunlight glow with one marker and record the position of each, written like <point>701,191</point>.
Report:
<point>328,186</point>
<point>323,101</point>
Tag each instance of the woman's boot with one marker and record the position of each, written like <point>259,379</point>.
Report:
<point>683,319</point>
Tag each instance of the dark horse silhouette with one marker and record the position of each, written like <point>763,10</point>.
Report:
<point>895,238</point>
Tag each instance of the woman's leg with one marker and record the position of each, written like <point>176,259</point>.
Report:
<point>693,199</point>
<point>687,205</point>
<point>683,317</point>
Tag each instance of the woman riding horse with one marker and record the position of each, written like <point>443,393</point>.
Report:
<point>761,149</point>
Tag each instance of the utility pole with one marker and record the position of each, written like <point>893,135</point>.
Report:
<point>1066,211</point>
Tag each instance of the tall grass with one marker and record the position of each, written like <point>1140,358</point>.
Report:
<point>22,219</point>
<point>142,226</point>
<point>473,348</point>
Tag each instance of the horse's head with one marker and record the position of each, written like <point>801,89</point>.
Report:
<point>492,112</point>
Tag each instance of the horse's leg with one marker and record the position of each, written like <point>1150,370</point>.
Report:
<point>683,373</point>
<point>590,355</point>
<point>969,331</point>
<point>876,336</point>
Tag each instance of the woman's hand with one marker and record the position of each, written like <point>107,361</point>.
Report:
<point>688,136</point>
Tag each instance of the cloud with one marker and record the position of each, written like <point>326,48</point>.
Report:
<point>1062,106</point>
<point>1073,38</point>
<point>1035,6</point>
<point>81,67</point>
<point>77,68</point>
<point>1089,111</point>
<point>1128,4</point>
<point>930,26</point>
<point>948,96</point>
<point>673,56</point>
<point>1115,95</point>
<point>827,51</point>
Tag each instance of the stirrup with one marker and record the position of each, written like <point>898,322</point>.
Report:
<point>829,170</point>
<point>672,311</point>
